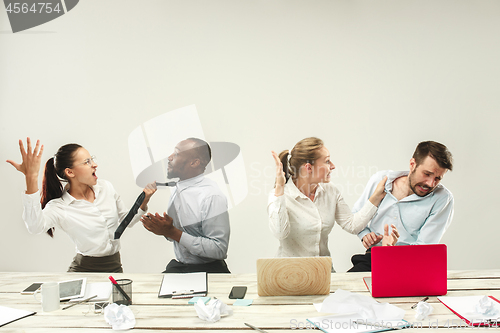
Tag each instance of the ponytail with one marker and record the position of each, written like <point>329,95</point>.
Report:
<point>54,174</point>
<point>51,187</point>
<point>283,156</point>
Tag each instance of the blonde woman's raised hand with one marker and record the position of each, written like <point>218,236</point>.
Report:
<point>280,175</point>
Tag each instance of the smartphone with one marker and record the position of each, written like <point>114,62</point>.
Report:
<point>31,289</point>
<point>238,292</point>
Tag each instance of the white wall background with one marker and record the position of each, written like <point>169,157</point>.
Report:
<point>371,78</point>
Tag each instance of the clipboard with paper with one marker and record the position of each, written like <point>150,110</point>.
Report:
<point>184,285</point>
<point>473,310</point>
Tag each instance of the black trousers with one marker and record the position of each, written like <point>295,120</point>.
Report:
<point>362,262</point>
<point>107,264</point>
<point>217,266</point>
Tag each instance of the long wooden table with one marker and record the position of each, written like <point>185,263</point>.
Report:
<point>274,314</point>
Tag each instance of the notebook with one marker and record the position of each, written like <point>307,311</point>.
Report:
<point>184,285</point>
<point>408,270</point>
<point>294,276</point>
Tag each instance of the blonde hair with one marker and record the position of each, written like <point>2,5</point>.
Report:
<point>304,151</point>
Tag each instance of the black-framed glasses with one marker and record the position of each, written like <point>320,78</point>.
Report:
<point>88,161</point>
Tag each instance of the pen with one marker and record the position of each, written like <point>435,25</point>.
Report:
<point>119,288</point>
<point>255,328</point>
<point>83,300</point>
<point>423,300</point>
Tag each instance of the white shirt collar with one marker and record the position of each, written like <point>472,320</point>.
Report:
<point>296,193</point>
<point>68,199</point>
<point>392,176</point>
<point>183,184</point>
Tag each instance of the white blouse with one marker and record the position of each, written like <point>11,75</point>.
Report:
<point>303,226</point>
<point>91,226</point>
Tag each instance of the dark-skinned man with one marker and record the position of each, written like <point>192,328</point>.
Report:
<point>196,220</point>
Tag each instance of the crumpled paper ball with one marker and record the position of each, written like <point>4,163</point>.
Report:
<point>423,310</point>
<point>486,307</point>
<point>120,317</point>
<point>212,311</point>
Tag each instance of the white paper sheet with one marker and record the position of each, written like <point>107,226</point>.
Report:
<point>466,307</point>
<point>8,315</point>
<point>188,284</point>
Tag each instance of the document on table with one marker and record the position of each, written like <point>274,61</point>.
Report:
<point>183,285</point>
<point>8,315</point>
<point>466,308</point>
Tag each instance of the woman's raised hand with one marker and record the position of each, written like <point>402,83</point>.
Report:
<point>32,158</point>
<point>30,166</point>
<point>149,190</point>
<point>280,176</point>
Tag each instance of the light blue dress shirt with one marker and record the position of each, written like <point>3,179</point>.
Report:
<point>419,220</point>
<point>199,208</point>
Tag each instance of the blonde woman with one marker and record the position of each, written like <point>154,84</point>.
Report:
<point>304,206</point>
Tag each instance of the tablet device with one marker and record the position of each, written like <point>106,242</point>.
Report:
<point>72,289</point>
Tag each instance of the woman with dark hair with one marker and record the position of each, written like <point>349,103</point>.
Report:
<point>86,208</point>
<point>304,206</point>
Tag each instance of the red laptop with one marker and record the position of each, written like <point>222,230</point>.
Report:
<point>408,270</point>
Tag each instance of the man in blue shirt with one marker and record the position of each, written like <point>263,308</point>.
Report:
<point>196,221</point>
<point>416,203</point>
